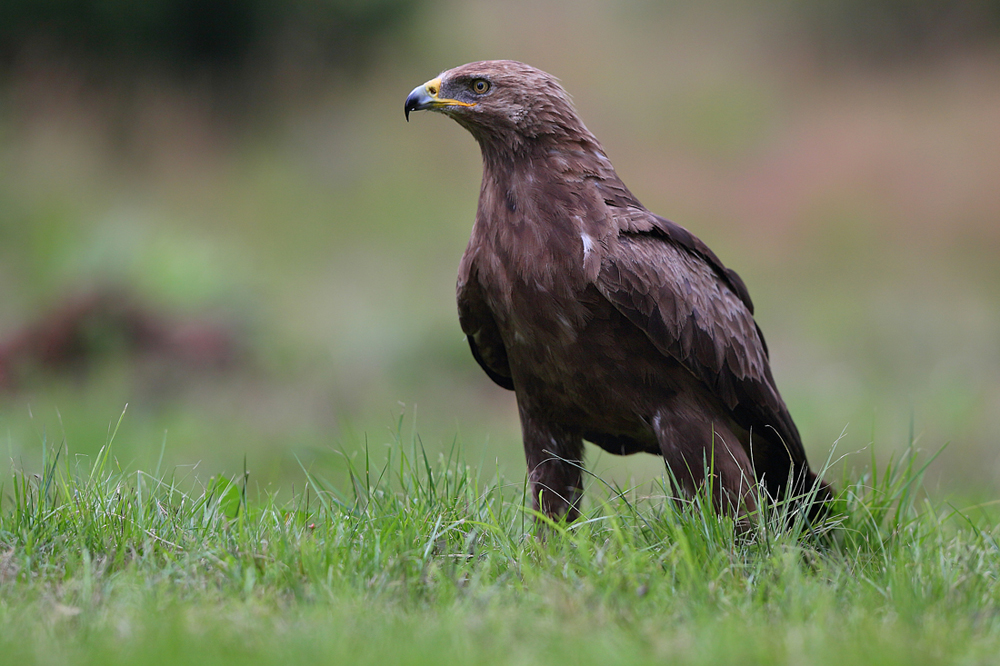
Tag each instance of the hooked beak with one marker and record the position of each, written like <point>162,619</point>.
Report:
<point>426,97</point>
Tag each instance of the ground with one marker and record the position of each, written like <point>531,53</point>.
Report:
<point>421,561</point>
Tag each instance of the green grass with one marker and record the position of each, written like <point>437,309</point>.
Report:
<point>419,561</point>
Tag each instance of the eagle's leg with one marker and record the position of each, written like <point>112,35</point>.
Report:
<point>555,467</point>
<point>699,452</point>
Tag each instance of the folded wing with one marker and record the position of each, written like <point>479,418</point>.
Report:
<point>671,286</point>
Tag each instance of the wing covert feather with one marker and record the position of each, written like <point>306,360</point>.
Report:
<point>481,329</point>
<point>692,309</point>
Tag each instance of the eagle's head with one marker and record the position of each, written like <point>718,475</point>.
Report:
<point>500,102</point>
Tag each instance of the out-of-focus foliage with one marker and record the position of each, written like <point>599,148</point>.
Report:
<point>194,34</point>
<point>291,261</point>
<point>897,29</point>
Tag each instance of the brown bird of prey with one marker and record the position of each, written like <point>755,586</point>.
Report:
<point>611,324</point>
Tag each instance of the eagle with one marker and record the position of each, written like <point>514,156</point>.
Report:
<point>610,323</point>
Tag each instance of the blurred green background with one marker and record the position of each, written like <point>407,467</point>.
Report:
<point>215,213</point>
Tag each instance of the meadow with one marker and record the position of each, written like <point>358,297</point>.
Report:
<point>349,486</point>
<point>422,561</point>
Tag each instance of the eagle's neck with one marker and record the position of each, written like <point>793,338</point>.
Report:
<point>511,151</point>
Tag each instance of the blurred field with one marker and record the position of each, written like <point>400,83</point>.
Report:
<point>859,202</point>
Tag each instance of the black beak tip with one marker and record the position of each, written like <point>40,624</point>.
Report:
<point>412,102</point>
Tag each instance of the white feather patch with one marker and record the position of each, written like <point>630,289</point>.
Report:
<point>591,258</point>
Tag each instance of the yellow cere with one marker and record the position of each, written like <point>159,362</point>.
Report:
<point>433,87</point>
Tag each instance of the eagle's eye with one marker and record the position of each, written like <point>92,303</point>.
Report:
<point>480,86</point>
